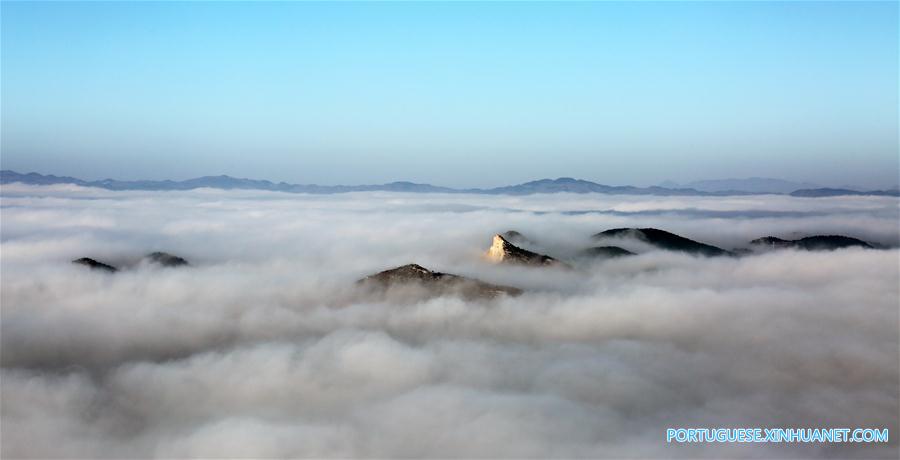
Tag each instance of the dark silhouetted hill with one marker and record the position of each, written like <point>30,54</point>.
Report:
<point>94,264</point>
<point>812,243</point>
<point>435,283</point>
<point>605,252</point>
<point>663,240</point>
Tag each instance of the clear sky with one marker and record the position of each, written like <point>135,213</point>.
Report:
<point>463,94</point>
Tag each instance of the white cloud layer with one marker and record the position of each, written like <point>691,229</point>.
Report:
<point>264,349</point>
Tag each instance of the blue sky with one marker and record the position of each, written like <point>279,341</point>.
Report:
<point>463,94</point>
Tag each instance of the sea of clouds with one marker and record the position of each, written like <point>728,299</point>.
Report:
<point>264,347</point>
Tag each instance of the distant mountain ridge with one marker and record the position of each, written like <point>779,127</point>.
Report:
<point>748,185</point>
<point>819,192</point>
<point>560,185</point>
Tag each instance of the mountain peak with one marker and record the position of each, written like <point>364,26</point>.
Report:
<point>502,251</point>
<point>408,272</point>
<point>165,259</point>
<point>663,240</point>
<point>436,283</point>
<point>497,251</point>
<point>94,264</point>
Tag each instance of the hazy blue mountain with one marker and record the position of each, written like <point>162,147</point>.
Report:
<point>749,185</point>
<point>7,176</point>
<point>570,185</point>
<point>560,185</point>
<point>820,192</point>
<point>217,182</point>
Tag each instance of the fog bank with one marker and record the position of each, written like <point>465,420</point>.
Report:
<point>263,348</point>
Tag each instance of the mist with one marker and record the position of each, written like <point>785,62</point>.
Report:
<point>264,347</point>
